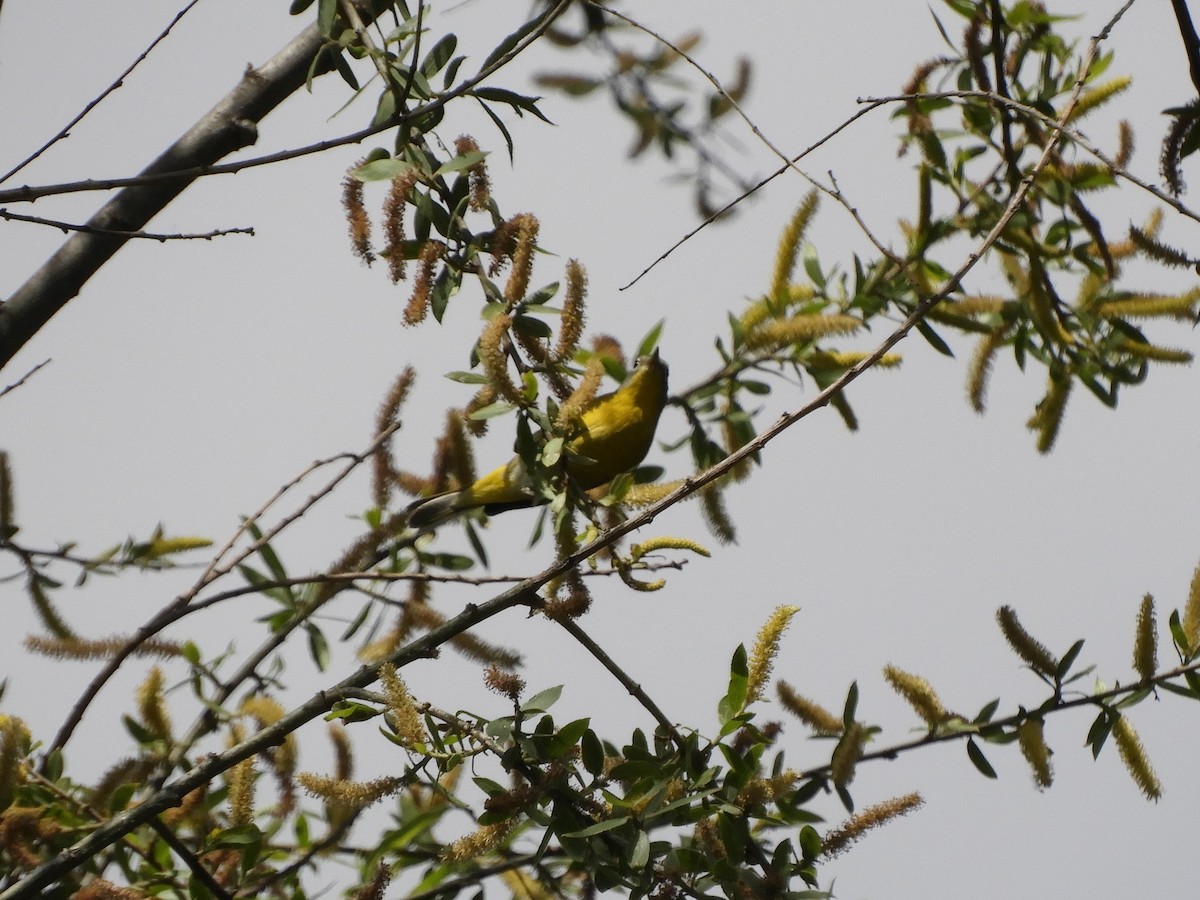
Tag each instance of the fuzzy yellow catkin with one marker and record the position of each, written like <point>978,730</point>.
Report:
<point>1048,417</point>
<point>479,842</point>
<point>266,711</point>
<point>1099,95</point>
<point>507,684</point>
<point>585,392</point>
<point>812,714</point>
<point>14,744</point>
<point>383,470</point>
<point>1157,353</point>
<point>766,648</point>
<point>357,219</point>
<point>102,889</point>
<point>1145,644</point>
<point>152,706</point>
<point>840,839</point>
<point>406,719</point>
<point>418,302</point>
<point>712,508</point>
<point>393,224</point>
<point>1133,755</point>
<point>1191,613</point>
<point>47,613</point>
<point>789,244</point>
<point>919,694</point>
<point>642,495</point>
<point>373,889</point>
<point>1124,144</point>
<point>494,359</point>
<point>517,285</point>
<point>779,333</point>
<point>1026,646</point>
<point>1151,306</point>
<point>665,542</point>
<point>357,794</point>
<point>844,359</point>
<point>241,792</point>
<point>1031,738</point>
<point>477,175</point>
<point>774,307</point>
<point>980,369</point>
<point>525,887</point>
<point>77,648</point>
<point>343,751</point>
<point>460,457</point>
<point>574,311</point>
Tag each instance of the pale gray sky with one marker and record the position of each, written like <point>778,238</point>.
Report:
<point>191,379</point>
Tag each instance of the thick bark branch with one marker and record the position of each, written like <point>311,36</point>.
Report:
<point>229,126</point>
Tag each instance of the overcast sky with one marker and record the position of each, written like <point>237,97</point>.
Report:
<point>190,379</point>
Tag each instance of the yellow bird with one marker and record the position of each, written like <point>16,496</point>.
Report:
<point>613,435</point>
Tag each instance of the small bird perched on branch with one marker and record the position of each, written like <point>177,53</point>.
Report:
<point>613,435</point>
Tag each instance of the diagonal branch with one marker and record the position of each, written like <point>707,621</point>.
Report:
<point>228,127</point>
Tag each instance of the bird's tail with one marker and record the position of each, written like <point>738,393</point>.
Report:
<point>429,512</point>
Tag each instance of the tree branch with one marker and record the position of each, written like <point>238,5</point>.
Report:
<point>229,126</point>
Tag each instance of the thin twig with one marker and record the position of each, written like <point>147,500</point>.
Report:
<point>179,607</point>
<point>20,381</point>
<point>144,235</point>
<point>66,129</point>
<point>874,103</point>
<point>572,628</point>
<point>189,859</point>
<point>429,577</point>
<point>1059,705</point>
<point>26,193</point>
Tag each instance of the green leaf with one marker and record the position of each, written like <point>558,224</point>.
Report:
<point>532,327</point>
<point>934,339</point>
<point>1179,636</point>
<point>467,377</point>
<point>552,452</point>
<point>850,709</point>
<point>812,265</point>
<point>441,54</point>
<point>436,214</point>
<point>1099,732</point>
<point>985,714</point>
<point>598,828</point>
<point>543,700</point>
<point>445,286</point>
<point>650,341</point>
<point>513,39</point>
<point>508,141</point>
<point>351,711</point>
<point>452,72</point>
<point>499,408</point>
<point>326,14</point>
<point>246,835</point>
<point>734,700</point>
<point>458,163</point>
<point>318,646</point>
<point>980,761</point>
<point>591,752</point>
<point>518,102</point>
<point>451,562</point>
<point>1068,659</point>
<point>640,855</point>
<point>381,170</point>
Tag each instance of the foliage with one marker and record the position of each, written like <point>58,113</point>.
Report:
<point>555,807</point>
